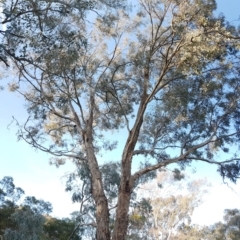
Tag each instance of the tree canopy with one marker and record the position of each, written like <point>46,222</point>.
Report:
<point>164,205</point>
<point>162,75</point>
<point>229,229</point>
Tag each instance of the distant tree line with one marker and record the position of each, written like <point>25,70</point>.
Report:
<point>167,213</point>
<point>29,219</point>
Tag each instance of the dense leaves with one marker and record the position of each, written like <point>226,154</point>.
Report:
<point>229,229</point>
<point>163,210</point>
<point>29,219</point>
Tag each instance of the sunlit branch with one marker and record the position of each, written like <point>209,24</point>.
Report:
<point>77,120</point>
<point>78,102</point>
<point>7,20</point>
<point>34,143</point>
<point>163,163</point>
<point>110,61</point>
<point>212,161</point>
<point>117,98</point>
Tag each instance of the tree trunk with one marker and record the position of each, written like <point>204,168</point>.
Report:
<point>126,184</point>
<point>102,213</point>
<point>124,195</point>
<point>121,223</point>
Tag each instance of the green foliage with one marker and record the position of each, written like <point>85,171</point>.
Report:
<point>41,17</point>
<point>230,171</point>
<point>178,175</point>
<point>140,214</point>
<point>9,195</point>
<point>5,220</point>
<point>192,89</point>
<point>163,77</point>
<point>29,219</point>
<point>230,229</point>
<point>8,192</point>
<point>167,210</point>
<point>61,229</point>
<point>111,179</point>
<point>29,226</point>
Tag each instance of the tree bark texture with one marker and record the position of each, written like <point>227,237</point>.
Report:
<point>127,182</point>
<point>102,213</point>
<point>121,223</point>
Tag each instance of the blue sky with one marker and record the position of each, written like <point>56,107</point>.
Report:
<point>31,170</point>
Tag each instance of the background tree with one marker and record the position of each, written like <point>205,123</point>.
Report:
<point>9,196</point>
<point>164,75</point>
<point>232,222</point>
<point>230,229</point>
<point>29,219</point>
<point>193,232</point>
<point>20,221</point>
<point>79,185</point>
<point>163,209</point>
<point>61,229</point>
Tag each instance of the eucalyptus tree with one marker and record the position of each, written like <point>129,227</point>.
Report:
<point>29,218</point>
<point>41,20</point>
<point>218,231</point>
<point>9,196</point>
<point>162,75</point>
<point>165,206</point>
<point>230,229</point>
<point>20,219</point>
